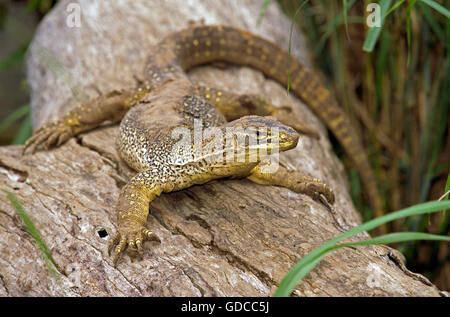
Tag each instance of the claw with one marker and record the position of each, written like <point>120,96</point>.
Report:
<point>139,247</point>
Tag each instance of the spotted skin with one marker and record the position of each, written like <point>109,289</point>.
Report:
<point>169,101</point>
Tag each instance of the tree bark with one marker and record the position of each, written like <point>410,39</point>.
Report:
<point>225,238</point>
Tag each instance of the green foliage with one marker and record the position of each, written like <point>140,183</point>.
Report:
<point>307,263</point>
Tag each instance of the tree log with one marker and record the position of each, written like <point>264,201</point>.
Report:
<point>225,238</point>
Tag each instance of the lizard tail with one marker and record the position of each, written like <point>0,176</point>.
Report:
<point>206,44</point>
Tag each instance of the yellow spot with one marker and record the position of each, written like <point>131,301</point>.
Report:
<point>147,87</point>
<point>196,54</point>
<point>208,42</point>
<point>207,53</point>
<point>222,41</point>
<point>263,57</point>
<point>135,96</point>
<point>195,42</point>
<point>217,99</point>
<point>207,96</point>
<point>219,93</point>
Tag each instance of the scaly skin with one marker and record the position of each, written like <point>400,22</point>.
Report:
<point>169,101</point>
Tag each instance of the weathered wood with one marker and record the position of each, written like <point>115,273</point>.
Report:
<point>224,238</point>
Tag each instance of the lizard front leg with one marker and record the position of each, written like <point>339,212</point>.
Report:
<point>293,180</point>
<point>84,117</point>
<point>132,212</point>
<point>234,106</point>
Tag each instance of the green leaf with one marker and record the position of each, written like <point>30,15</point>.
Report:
<point>15,58</point>
<point>408,28</point>
<point>374,32</point>
<point>435,26</point>
<point>308,262</point>
<point>17,114</point>
<point>395,7</point>
<point>25,131</point>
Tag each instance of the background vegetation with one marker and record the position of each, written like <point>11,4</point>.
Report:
<point>396,92</point>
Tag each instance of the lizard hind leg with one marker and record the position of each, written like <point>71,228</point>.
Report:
<point>132,212</point>
<point>234,106</point>
<point>293,180</point>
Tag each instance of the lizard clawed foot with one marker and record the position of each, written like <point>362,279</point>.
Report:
<point>49,135</point>
<point>316,189</point>
<point>131,239</point>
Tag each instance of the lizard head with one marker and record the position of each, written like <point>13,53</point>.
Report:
<point>261,136</point>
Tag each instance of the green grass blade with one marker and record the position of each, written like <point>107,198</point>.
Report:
<point>285,290</point>
<point>32,230</point>
<point>435,26</point>
<point>408,29</point>
<point>374,32</point>
<point>262,12</point>
<point>436,6</point>
<point>330,28</point>
<point>446,190</point>
<point>25,131</point>
<point>298,271</point>
<point>291,31</point>
<point>395,238</point>
<point>15,58</point>
<point>345,12</point>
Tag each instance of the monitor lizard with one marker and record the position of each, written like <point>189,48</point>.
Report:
<point>167,99</point>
